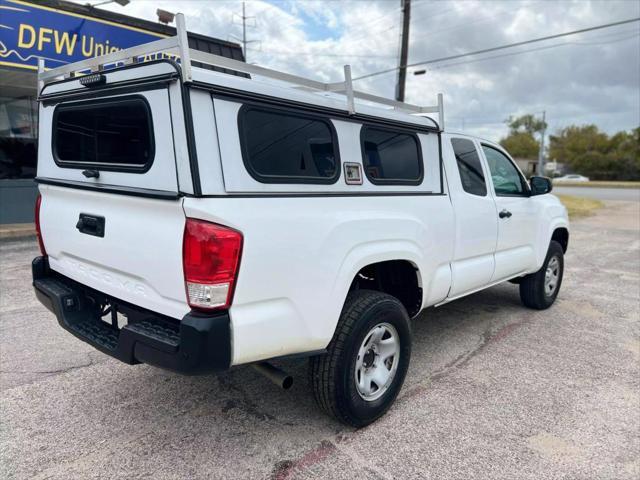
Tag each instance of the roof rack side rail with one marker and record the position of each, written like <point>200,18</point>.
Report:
<point>179,46</point>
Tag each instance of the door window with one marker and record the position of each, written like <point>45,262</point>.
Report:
<point>469,166</point>
<point>506,178</point>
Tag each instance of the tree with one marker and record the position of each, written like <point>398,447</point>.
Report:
<point>591,152</point>
<point>624,151</point>
<point>521,141</point>
<point>526,123</point>
<point>521,145</point>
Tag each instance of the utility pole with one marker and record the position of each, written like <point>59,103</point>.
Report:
<point>404,50</point>
<point>244,32</point>
<point>244,40</point>
<point>541,150</point>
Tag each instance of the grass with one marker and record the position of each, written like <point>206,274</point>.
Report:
<point>601,184</point>
<point>580,207</point>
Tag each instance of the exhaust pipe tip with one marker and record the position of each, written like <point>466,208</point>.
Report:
<point>287,382</point>
<point>277,376</point>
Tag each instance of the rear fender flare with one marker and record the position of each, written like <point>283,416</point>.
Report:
<point>366,254</point>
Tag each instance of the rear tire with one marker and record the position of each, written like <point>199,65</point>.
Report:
<point>345,379</point>
<point>539,290</point>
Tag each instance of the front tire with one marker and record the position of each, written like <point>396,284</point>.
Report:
<point>539,290</point>
<point>359,377</point>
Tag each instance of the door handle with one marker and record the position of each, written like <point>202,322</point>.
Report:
<point>505,213</point>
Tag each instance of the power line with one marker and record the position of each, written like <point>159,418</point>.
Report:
<point>502,47</point>
<point>464,62</point>
<point>634,33</point>
<point>537,49</point>
<point>431,15</point>
<point>314,54</point>
<point>368,33</point>
<point>364,27</point>
<point>502,121</point>
<point>605,41</point>
<point>467,23</point>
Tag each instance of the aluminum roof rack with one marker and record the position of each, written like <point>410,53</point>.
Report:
<point>178,46</point>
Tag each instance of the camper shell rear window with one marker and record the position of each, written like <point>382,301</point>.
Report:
<point>108,134</point>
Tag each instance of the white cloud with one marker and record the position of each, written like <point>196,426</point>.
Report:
<point>594,78</point>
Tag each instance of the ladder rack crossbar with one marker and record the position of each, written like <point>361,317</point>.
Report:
<point>178,46</point>
<point>165,45</point>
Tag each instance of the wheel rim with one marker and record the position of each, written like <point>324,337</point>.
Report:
<point>377,361</point>
<point>551,276</point>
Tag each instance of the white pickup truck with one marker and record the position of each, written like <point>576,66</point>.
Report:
<point>197,220</point>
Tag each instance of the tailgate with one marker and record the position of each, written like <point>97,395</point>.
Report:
<point>111,213</point>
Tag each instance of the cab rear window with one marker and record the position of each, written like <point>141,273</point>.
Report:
<point>108,134</point>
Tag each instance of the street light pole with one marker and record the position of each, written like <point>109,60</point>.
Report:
<point>541,150</point>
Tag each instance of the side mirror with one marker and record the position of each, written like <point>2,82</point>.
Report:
<point>540,185</point>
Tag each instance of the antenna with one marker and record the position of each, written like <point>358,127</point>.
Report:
<point>244,40</point>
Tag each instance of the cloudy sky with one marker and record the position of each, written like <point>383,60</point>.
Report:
<point>588,78</point>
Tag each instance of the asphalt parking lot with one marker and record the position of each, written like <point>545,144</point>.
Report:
<point>493,391</point>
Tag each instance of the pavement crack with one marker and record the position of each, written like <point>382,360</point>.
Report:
<point>461,359</point>
<point>286,469</point>
<point>486,338</point>
<point>57,371</point>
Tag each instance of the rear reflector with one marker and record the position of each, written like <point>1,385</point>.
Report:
<point>211,257</point>
<point>37,222</point>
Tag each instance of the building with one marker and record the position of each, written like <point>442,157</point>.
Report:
<point>60,32</point>
<point>528,166</point>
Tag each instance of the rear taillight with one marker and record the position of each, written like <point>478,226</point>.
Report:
<point>211,258</point>
<point>37,221</point>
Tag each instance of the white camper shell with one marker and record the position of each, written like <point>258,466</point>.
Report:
<point>197,220</point>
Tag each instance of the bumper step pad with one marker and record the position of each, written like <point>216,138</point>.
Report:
<point>99,333</point>
<point>197,344</point>
<point>165,336</point>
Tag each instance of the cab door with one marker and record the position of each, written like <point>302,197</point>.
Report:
<point>476,222</point>
<point>517,215</point>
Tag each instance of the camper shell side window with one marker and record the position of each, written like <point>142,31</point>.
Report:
<point>284,146</point>
<point>391,156</point>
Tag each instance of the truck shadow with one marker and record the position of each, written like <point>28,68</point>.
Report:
<point>143,419</point>
<point>442,338</point>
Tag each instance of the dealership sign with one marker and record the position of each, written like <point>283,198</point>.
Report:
<point>29,31</point>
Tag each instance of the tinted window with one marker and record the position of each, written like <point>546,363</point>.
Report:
<point>505,176</point>
<point>469,166</point>
<point>391,157</point>
<point>18,134</point>
<point>113,134</point>
<point>280,147</point>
